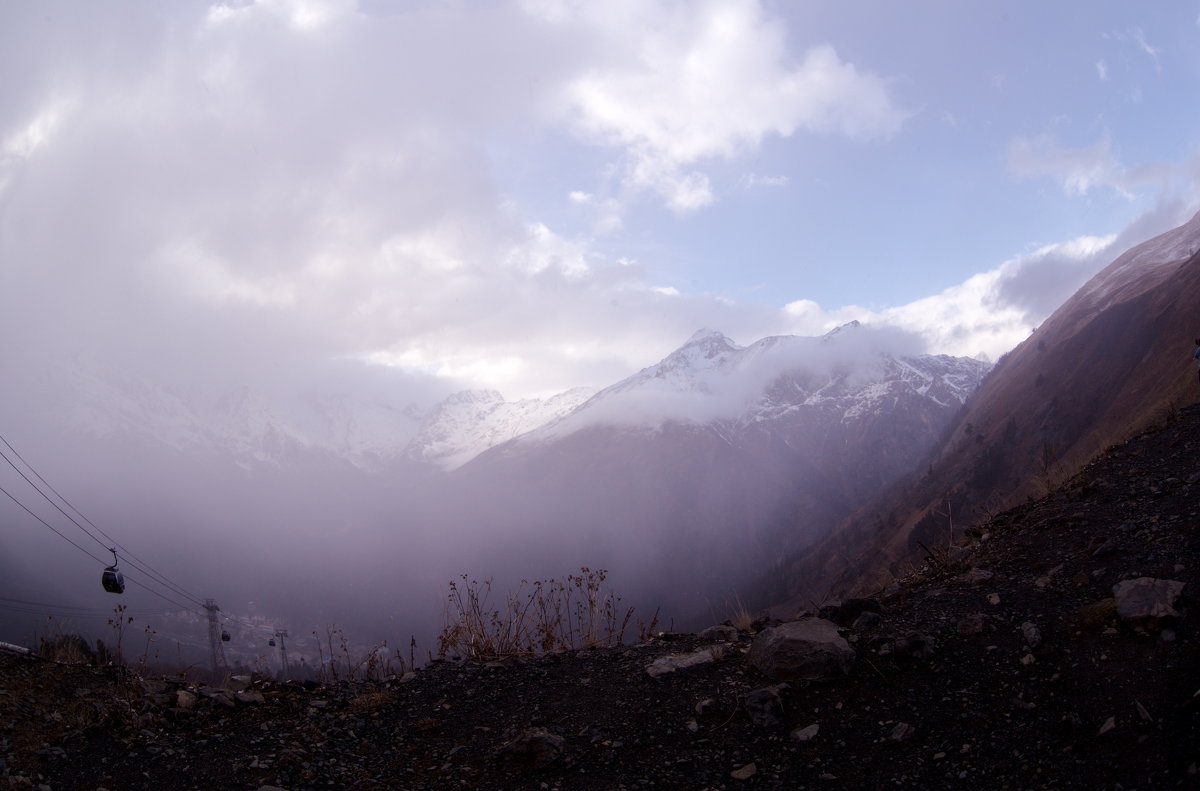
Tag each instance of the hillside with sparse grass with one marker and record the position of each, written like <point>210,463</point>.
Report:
<point>1053,646</point>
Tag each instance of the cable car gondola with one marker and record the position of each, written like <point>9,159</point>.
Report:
<point>112,579</point>
<point>224,636</point>
<point>271,642</point>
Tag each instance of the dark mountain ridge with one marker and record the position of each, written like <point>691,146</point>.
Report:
<point>1114,358</point>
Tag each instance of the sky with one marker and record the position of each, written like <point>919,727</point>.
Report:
<point>531,196</point>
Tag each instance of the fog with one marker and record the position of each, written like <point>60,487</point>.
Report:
<point>285,498</point>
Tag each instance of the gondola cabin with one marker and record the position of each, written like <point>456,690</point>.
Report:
<point>224,637</point>
<point>113,580</point>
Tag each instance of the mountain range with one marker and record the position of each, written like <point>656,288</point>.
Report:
<point>781,469</point>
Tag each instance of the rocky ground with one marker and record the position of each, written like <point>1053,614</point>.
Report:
<point>1006,663</point>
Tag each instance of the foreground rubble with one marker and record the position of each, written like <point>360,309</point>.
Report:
<point>1057,649</point>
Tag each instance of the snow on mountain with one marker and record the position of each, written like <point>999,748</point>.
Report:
<point>241,424</point>
<point>105,405</point>
<point>1143,266</point>
<point>851,370</point>
<point>470,422</point>
<point>367,432</point>
<point>242,421</point>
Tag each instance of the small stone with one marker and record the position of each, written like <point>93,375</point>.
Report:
<point>1081,578</point>
<point>972,624</point>
<point>1105,549</point>
<point>1028,659</point>
<point>902,732</point>
<point>765,706</point>
<point>706,705</point>
<point>977,575</point>
<point>1141,710</point>
<point>533,749</point>
<point>805,734</point>
<point>1097,615</point>
<point>249,696</point>
<point>1108,725</point>
<point>185,700</point>
<point>744,772</point>
<point>918,646</point>
<point>993,599</point>
<point>692,726</point>
<point>670,664</point>
<point>1033,635</point>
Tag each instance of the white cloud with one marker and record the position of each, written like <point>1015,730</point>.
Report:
<point>1102,70</point>
<point>606,213</point>
<point>1140,37</point>
<point>987,314</point>
<point>710,81</point>
<point>753,180</point>
<point>1078,170</point>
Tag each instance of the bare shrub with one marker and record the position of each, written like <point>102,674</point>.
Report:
<point>540,616</point>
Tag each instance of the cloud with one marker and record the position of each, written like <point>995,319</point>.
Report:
<point>1102,70</point>
<point>1140,37</point>
<point>682,88</point>
<point>1078,170</point>
<point>754,180</point>
<point>991,312</point>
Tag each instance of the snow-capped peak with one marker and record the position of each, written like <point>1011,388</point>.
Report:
<point>849,326</point>
<point>469,422</point>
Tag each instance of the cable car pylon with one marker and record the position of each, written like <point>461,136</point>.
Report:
<point>214,637</point>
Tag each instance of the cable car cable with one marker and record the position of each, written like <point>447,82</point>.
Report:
<point>129,556</point>
<point>47,524</point>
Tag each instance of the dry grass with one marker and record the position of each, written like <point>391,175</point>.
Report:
<point>370,701</point>
<point>740,617</point>
<point>538,617</point>
<point>342,663</point>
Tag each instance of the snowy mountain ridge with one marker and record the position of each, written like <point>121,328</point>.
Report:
<point>848,371</point>
<point>845,375</point>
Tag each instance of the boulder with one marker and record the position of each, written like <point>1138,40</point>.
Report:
<point>848,612</point>
<point>1145,597</point>
<point>810,649</point>
<point>723,632</point>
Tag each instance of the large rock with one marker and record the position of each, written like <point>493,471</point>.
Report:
<point>809,649</point>
<point>665,665</point>
<point>1145,597</point>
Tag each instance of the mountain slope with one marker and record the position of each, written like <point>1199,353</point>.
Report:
<point>689,475</point>
<point>1115,357</point>
<point>1029,679</point>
